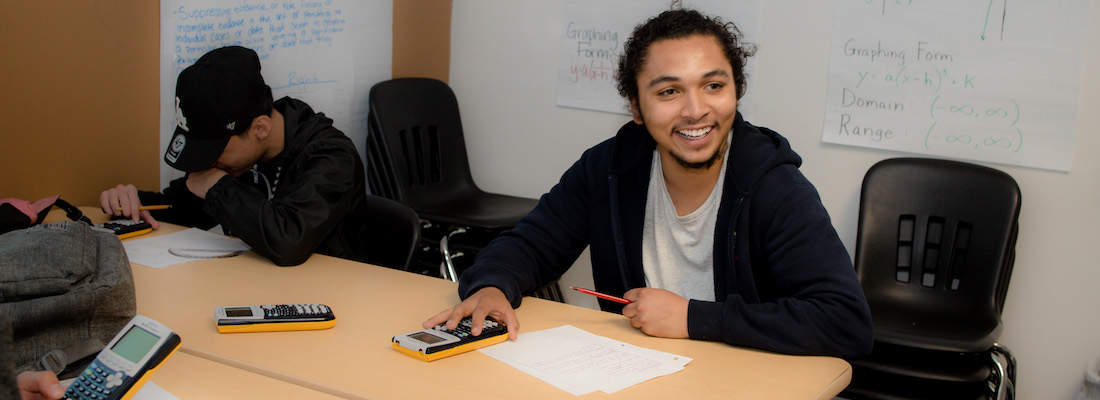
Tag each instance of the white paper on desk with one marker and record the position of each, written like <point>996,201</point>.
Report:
<point>579,362</point>
<point>154,251</point>
<point>150,391</point>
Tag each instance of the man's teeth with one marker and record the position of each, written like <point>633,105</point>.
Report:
<point>694,133</point>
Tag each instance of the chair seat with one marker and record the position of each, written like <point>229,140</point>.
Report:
<point>869,384</point>
<point>943,334</point>
<point>483,210</point>
<point>927,364</point>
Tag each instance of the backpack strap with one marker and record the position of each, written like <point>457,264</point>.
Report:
<point>71,211</point>
<point>57,360</point>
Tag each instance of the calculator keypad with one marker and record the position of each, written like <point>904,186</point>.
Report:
<point>122,226</point>
<point>466,325</point>
<point>96,382</point>
<point>290,311</point>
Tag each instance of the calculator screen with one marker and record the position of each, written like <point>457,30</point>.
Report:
<point>426,337</point>
<point>134,344</point>
<point>238,312</point>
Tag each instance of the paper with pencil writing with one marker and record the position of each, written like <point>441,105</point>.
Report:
<point>579,362</point>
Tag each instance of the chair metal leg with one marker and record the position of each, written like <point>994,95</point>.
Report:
<point>1005,370</point>
<point>447,267</point>
<point>554,292</point>
<point>550,292</point>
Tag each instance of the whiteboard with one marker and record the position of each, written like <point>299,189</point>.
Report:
<point>327,53</point>
<point>593,33</point>
<point>985,80</point>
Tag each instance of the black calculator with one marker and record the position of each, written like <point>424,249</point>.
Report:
<point>125,228</point>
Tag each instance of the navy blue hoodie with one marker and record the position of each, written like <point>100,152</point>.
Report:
<point>783,280</point>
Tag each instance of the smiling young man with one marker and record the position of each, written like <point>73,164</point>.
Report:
<point>699,218</point>
<point>274,173</point>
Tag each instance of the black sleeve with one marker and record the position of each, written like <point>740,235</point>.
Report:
<point>314,195</point>
<point>819,308</point>
<point>187,209</point>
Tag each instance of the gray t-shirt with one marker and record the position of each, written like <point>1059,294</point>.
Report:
<point>678,251</point>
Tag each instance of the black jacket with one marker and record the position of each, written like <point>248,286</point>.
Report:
<point>319,191</point>
<point>782,278</point>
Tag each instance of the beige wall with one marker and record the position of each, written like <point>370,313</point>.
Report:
<point>422,39</point>
<point>79,90</point>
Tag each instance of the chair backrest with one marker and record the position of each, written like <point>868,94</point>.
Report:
<point>416,147</point>
<point>393,234</point>
<point>934,251</point>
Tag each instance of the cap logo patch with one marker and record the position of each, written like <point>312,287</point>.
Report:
<point>231,126</point>
<point>176,148</point>
<point>181,121</point>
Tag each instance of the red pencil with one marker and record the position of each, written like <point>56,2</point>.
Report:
<point>601,295</point>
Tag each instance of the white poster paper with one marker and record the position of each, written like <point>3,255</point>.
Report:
<point>327,53</point>
<point>592,39</point>
<point>985,80</point>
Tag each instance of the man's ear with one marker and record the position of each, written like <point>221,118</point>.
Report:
<point>635,112</point>
<point>261,127</point>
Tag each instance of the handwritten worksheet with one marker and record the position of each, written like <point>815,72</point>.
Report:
<point>986,80</point>
<point>579,362</point>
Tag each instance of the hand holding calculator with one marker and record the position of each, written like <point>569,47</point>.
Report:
<point>438,342</point>
<point>127,362</point>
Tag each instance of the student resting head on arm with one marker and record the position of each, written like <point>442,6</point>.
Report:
<point>274,173</point>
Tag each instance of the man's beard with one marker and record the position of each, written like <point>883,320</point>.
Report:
<point>705,164</point>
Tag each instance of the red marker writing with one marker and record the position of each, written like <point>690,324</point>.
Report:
<point>601,295</point>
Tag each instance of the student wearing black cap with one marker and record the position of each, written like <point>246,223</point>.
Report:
<point>273,173</point>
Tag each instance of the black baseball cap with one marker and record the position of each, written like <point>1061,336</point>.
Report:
<point>216,98</point>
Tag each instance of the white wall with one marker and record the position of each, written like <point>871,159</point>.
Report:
<point>503,70</point>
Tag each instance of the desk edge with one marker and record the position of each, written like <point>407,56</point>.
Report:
<point>277,375</point>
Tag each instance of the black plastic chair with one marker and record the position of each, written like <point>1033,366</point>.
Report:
<point>416,155</point>
<point>394,234</point>
<point>934,253</point>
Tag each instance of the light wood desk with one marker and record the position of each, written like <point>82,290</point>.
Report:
<point>354,359</point>
<point>192,378</point>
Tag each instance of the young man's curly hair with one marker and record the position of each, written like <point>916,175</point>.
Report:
<point>676,24</point>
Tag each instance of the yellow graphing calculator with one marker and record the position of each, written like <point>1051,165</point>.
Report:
<point>438,342</point>
<point>274,317</point>
<point>125,228</point>
<point>126,363</point>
